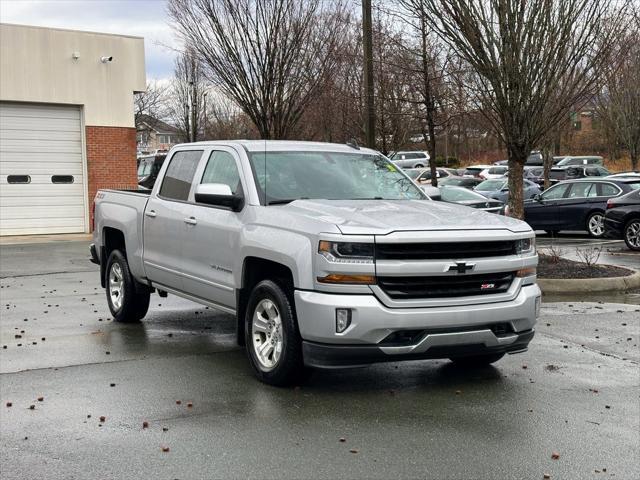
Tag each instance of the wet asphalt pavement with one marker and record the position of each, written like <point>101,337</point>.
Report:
<point>575,393</point>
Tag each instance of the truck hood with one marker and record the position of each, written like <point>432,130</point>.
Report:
<point>381,217</point>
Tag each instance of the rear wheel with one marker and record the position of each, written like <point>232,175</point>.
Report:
<point>595,224</point>
<point>632,234</point>
<point>418,165</point>
<point>477,360</point>
<point>128,299</point>
<point>273,340</point>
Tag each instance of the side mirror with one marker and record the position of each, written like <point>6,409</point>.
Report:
<point>537,197</point>
<point>219,194</point>
<point>505,189</point>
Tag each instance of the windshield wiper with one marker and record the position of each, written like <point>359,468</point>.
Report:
<point>285,200</point>
<point>368,198</point>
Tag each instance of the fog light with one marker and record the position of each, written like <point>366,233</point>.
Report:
<point>538,302</point>
<point>343,319</point>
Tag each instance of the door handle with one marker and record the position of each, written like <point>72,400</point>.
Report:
<point>151,213</point>
<point>190,221</point>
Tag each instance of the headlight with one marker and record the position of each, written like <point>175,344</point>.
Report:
<point>346,252</point>
<point>526,245</point>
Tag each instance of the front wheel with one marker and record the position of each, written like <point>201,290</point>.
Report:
<point>128,300</point>
<point>595,224</point>
<point>632,234</point>
<point>273,340</point>
<point>477,360</point>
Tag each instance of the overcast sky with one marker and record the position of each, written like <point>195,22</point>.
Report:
<point>144,18</point>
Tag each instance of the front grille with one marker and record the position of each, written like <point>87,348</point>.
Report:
<point>444,250</point>
<point>461,285</point>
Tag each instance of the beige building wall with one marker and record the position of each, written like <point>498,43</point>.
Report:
<point>37,65</point>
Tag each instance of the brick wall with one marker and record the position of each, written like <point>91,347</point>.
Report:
<point>111,159</point>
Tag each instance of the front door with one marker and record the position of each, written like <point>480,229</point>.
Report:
<point>164,220</point>
<point>544,214</point>
<point>211,242</point>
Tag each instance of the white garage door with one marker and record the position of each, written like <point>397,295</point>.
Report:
<point>42,184</point>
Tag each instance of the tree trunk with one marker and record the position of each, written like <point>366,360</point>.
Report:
<point>517,159</point>
<point>547,162</point>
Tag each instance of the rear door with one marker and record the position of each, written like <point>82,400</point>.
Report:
<point>164,221</point>
<point>210,244</point>
<point>579,202</point>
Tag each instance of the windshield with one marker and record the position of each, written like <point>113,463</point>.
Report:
<point>491,185</point>
<point>459,194</point>
<point>286,176</point>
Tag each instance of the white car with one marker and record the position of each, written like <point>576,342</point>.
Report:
<point>410,159</point>
<point>493,172</point>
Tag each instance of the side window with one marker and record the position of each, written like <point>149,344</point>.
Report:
<point>607,190</point>
<point>221,168</point>
<point>603,171</point>
<point>179,176</point>
<point>580,190</point>
<point>556,192</point>
<point>591,172</point>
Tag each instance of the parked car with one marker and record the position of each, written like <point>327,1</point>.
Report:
<point>423,175</point>
<point>535,158</point>
<point>463,196</point>
<point>410,159</point>
<point>494,172</point>
<point>584,160</point>
<point>148,168</point>
<point>629,174</point>
<point>622,219</point>
<point>475,170</point>
<point>466,182</point>
<point>575,205</point>
<point>499,189</point>
<point>282,235</point>
<point>558,174</point>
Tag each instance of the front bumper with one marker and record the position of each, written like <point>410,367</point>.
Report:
<point>446,330</point>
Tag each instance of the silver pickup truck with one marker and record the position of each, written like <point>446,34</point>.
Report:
<point>328,255</point>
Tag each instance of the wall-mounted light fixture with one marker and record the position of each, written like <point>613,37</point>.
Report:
<point>105,59</point>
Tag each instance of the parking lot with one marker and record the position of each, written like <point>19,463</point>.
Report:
<point>567,408</point>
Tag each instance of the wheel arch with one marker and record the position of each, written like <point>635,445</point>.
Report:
<point>254,270</point>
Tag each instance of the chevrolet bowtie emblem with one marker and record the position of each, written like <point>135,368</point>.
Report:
<point>461,267</point>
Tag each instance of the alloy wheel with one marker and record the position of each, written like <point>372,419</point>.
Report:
<point>267,335</point>
<point>116,286</point>
<point>596,225</point>
<point>632,234</point>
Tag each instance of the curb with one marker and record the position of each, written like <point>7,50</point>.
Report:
<point>590,285</point>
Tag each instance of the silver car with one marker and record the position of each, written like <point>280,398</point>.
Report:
<point>410,159</point>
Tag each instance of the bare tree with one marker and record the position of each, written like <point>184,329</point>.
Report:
<point>618,104</point>
<point>188,89</point>
<point>534,62</point>
<point>151,102</point>
<point>267,56</point>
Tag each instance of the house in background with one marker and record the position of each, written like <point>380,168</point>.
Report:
<point>153,134</point>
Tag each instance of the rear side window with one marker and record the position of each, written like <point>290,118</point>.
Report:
<point>179,176</point>
<point>608,190</point>
<point>221,168</point>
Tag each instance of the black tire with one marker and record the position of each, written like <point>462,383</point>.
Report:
<point>418,165</point>
<point>632,226</point>
<point>599,233</point>
<point>477,360</point>
<point>134,295</point>
<point>289,367</point>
